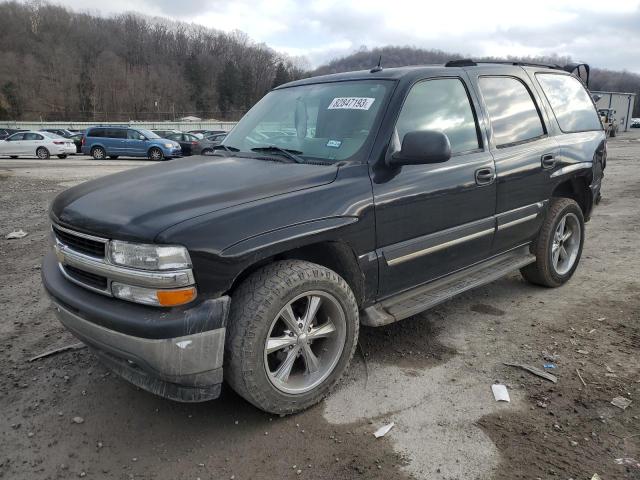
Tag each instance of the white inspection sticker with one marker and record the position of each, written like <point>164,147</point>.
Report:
<point>351,103</point>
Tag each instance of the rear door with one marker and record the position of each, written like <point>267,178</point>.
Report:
<point>31,143</point>
<point>437,218</point>
<point>523,152</point>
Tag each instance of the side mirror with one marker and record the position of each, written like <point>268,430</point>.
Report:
<point>421,147</point>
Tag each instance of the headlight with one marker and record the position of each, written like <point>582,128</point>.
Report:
<point>169,145</point>
<point>149,257</point>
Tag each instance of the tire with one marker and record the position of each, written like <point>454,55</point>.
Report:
<point>156,154</point>
<point>255,316</point>
<point>206,151</point>
<point>62,157</point>
<point>545,271</point>
<point>98,153</point>
<point>113,157</point>
<point>13,156</point>
<point>42,153</point>
<point>613,132</point>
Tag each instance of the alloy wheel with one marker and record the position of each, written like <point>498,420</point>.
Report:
<point>566,244</point>
<point>305,342</point>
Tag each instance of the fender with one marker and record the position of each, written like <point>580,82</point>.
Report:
<point>280,240</point>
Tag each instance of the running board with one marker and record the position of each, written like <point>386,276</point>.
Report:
<point>426,296</point>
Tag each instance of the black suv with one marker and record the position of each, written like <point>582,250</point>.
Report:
<point>354,198</point>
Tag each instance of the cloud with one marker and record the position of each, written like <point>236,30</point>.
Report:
<point>590,30</point>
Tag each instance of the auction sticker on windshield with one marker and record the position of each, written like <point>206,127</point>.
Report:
<point>351,103</point>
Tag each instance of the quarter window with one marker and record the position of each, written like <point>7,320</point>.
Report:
<point>513,113</point>
<point>442,105</point>
<point>570,102</point>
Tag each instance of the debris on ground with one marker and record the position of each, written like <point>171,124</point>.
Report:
<point>77,420</point>
<point>596,477</point>
<point>382,431</point>
<point>549,365</point>
<point>583,352</point>
<point>535,371</point>
<point>16,234</point>
<point>580,377</point>
<point>500,393</point>
<point>621,402</point>
<point>629,462</point>
<point>75,346</point>
<point>550,357</point>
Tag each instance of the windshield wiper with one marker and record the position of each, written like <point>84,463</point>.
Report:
<point>290,154</point>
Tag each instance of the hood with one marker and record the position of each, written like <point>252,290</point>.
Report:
<point>140,203</point>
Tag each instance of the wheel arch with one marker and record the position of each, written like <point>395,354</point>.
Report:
<point>336,255</point>
<point>576,188</point>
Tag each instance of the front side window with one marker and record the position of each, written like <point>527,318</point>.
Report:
<point>325,121</point>
<point>442,105</point>
<point>15,137</point>
<point>570,102</point>
<point>134,135</point>
<point>512,111</point>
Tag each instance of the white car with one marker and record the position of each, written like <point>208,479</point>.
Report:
<point>39,144</point>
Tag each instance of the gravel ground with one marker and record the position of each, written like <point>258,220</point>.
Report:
<point>430,374</point>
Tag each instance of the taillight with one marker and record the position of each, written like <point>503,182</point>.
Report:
<point>84,139</point>
<point>194,143</point>
<point>58,142</point>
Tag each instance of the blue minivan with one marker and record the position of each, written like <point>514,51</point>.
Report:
<point>113,142</point>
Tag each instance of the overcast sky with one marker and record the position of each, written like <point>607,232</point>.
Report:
<point>601,33</point>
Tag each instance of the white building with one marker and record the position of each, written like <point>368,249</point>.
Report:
<point>622,103</point>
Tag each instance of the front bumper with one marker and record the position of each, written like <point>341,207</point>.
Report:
<point>175,353</point>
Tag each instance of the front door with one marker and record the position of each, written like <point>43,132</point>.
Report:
<point>14,145</point>
<point>136,144</point>
<point>437,218</point>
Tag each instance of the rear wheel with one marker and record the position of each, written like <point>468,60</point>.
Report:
<point>42,153</point>
<point>98,153</point>
<point>559,245</point>
<point>62,157</point>
<point>292,331</point>
<point>13,156</point>
<point>156,154</point>
<point>206,151</point>
<point>613,132</point>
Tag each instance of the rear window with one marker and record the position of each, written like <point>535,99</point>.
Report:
<point>513,113</point>
<point>570,102</point>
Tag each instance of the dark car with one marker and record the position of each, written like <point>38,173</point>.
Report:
<point>205,133</point>
<point>77,140</point>
<point>188,142</point>
<point>62,132</point>
<point>208,144</point>
<point>165,133</point>
<point>7,132</point>
<point>374,196</point>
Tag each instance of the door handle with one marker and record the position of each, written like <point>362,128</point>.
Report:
<point>485,176</point>
<point>548,160</point>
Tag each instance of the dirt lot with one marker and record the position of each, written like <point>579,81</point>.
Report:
<point>430,374</point>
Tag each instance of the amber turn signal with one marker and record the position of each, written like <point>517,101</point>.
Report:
<point>172,298</point>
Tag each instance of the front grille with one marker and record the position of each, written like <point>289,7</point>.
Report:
<point>86,278</point>
<point>84,245</point>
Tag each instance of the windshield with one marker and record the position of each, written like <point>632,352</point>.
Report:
<point>326,121</point>
<point>148,133</point>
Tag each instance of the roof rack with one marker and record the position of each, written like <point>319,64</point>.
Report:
<point>468,62</point>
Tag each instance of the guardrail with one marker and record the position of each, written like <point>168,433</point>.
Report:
<point>182,126</point>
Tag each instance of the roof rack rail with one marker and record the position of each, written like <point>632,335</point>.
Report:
<point>467,62</point>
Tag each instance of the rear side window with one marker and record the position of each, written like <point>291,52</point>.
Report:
<point>442,105</point>
<point>570,102</point>
<point>33,136</point>
<point>513,113</point>
<point>115,133</point>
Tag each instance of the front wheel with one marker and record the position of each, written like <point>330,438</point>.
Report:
<point>156,154</point>
<point>559,245</point>
<point>42,153</point>
<point>293,328</point>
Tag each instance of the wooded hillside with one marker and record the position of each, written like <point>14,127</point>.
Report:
<point>56,64</point>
